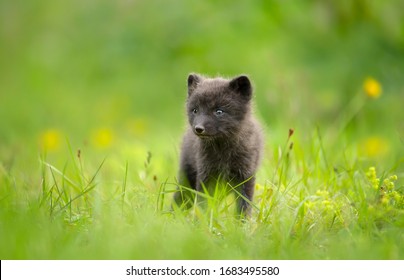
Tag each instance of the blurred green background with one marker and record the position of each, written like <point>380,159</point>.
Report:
<point>83,81</point>
<point>100,73</point>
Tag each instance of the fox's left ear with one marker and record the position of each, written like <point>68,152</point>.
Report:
<point>242,85</point>
<point>193,81</point>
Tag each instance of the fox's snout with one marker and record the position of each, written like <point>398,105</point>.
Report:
<point>199,129</point>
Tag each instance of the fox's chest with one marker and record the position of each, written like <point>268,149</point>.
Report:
<point>223,163</point>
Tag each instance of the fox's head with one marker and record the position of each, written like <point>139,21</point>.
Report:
<point>216,107</point>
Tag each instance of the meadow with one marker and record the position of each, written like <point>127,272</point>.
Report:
<point>92,111</point>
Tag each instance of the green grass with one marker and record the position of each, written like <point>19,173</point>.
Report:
<point>305,207</point>
<point>92,113</point>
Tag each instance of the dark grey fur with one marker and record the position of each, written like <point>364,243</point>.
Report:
<point>222,141</point>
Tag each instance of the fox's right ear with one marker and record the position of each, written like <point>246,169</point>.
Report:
<point>193,81</point>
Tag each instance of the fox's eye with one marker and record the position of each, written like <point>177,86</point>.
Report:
<point>195,110</point>
<point>219,112</point>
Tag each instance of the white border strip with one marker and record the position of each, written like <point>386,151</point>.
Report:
<point>185,269</point>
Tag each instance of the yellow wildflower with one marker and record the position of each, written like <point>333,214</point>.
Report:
<point>138,127</point>
<point>103,137</point>
<point>372,88</point>
<point>322,193</point>
<point>50,140</point>
<point>385,200</point>
<point>393,178</point>
<point>374,147</point>
<point>397,197</point>
<point>309,205</point>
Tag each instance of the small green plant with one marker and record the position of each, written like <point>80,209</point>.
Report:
<point>385,202</point>
<point>68,192</point>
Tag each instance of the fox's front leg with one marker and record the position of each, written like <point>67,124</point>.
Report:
<point>245,198</point>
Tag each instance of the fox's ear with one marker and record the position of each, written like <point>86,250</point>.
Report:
<point>242,85</point>
<point>193,81</point>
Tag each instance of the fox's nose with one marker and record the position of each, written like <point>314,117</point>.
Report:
<point>199,129</point>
